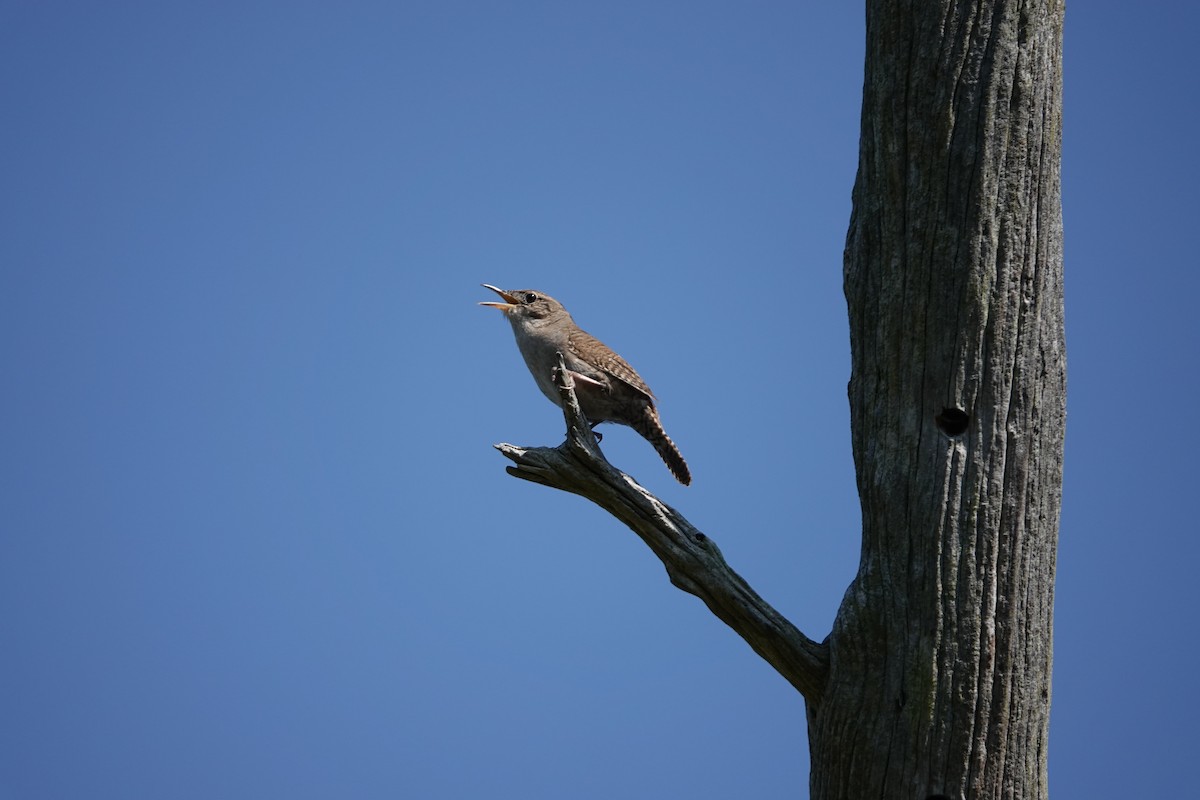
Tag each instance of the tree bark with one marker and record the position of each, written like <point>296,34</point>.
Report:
<point>935,681</point>
<point>941,652</point>
<point>693,561</point>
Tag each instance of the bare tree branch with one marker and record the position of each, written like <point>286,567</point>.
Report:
<point>693,561</point>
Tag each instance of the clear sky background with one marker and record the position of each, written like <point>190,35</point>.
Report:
<point>255,540</point>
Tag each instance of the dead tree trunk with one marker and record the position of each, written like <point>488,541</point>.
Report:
<point>935,681</point>
<point>939,681</point>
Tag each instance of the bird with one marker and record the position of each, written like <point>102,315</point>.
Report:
<point>608,389</point>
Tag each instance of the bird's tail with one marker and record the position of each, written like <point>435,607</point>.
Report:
<point>651,429</point>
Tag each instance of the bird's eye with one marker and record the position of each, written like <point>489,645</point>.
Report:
<point>530,297</point>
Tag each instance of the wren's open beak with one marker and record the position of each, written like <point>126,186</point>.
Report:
<point>510,301</point>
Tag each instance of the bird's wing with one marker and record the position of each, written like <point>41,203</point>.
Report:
<point>580,341</point>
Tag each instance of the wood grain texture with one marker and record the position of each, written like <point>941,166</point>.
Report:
<point>941,651</point>
<point>935,680</point>
<point>692,559</point>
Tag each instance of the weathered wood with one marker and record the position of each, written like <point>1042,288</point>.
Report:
<point>941,651</point>
<point>692,559</point>
<point>935,681</point>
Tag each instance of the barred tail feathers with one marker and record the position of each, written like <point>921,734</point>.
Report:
<point>651,429</point>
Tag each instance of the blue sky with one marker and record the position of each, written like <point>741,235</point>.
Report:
<point>256,542</point>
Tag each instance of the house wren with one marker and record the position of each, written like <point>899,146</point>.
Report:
<point>607,387</point>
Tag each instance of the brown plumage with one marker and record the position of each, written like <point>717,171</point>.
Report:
<point>609,390</point>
